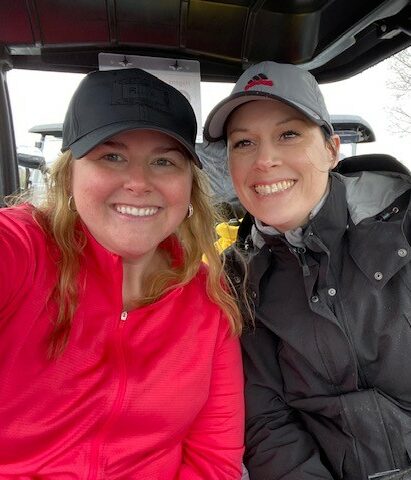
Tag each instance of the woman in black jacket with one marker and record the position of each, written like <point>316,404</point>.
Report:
<point>328,388</point>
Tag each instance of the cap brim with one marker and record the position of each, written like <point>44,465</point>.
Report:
<point>216,120</point>
<point>83,145</point>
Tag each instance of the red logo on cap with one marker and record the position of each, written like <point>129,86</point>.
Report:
<point>259,79</point>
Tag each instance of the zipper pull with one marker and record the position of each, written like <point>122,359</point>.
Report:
<point>123,316</point>
<point>383,217</point>
<point>303,261</point>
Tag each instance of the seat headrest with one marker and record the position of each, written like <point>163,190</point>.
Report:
<point>380,162</point>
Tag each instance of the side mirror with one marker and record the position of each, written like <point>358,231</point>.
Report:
<point>29,159</point>
<point>352,129</point>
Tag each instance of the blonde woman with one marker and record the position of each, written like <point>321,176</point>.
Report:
<point>119,356</point>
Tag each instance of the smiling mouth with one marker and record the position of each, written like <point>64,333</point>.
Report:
<point>136,212</point>
<point>274,187</point>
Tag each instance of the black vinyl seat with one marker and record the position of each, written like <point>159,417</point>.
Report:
<point>373,161</point>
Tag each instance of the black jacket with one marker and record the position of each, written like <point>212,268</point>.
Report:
<point>328,363</point>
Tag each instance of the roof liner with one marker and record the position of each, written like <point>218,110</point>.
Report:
<point>334,39</point>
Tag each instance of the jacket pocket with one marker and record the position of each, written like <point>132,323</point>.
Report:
<point>397,421</point>
<point>407,317</point>
<point>405,274</point>
<point>333,442</point>
<point>365,420</point>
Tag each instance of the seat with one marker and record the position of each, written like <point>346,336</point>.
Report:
<point>371,161</point>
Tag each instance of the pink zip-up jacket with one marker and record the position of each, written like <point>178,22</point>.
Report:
<point>154,393</point>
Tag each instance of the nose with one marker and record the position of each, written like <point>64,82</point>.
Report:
<point>266,156</point>
<point>137,180</point>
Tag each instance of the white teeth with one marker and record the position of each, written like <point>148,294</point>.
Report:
<point>274,188</point>
<point>136,212</point>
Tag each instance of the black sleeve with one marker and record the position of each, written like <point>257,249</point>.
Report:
<point>277,446</point>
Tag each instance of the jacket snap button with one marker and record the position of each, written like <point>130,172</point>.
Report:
<point>402,252</point>
<point>253,294</point>
<point>378,275</point>
<point>332,292</point>
<point>314,299</point>
<point>237,279</point>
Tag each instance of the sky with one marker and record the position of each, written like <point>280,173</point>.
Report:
<point>42,97</point>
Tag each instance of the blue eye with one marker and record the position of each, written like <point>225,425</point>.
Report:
<point>162,162</point>
<point>113,157</point>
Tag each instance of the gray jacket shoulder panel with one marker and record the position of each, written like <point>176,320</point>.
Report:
<point>368,193</point>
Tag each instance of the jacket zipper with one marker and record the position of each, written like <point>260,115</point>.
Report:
<point>299,253</point>
<point>342,320</point>
<point>118,401</point>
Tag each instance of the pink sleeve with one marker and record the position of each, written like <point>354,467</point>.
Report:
<point>213,449</point>
<point>14,259</point>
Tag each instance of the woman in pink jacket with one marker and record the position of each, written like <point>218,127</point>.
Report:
<point>118,349</point>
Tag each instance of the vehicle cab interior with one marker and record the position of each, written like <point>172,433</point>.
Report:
<point>333,39</point>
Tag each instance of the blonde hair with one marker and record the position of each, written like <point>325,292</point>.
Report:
<point>196,235</point>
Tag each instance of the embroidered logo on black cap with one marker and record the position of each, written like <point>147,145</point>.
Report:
<point>259,79</point>
<point>135,92</point>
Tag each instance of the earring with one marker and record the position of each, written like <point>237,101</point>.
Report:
<point>190,210</point>
<point>71,205</point>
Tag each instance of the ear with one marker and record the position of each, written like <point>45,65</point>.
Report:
<point>334,148</point>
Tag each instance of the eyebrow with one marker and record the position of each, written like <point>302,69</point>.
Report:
<point>281,122</point>
<point>165,149</point>
<point>111,143</point>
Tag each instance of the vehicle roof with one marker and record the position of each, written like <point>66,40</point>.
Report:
<point>334,39</point>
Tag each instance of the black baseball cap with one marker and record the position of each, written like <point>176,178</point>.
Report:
<point>110,102</point>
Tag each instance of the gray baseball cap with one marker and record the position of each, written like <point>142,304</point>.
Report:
<point>269,80</point>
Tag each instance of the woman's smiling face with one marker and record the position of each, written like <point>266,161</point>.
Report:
<point>279,162</point>
<point>133,191</point>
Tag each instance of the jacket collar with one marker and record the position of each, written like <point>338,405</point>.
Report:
<point>377,244</point>
<point>325,231</point>
<point>102,259</point>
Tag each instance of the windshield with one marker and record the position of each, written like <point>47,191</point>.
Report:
<point>375,95</point>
